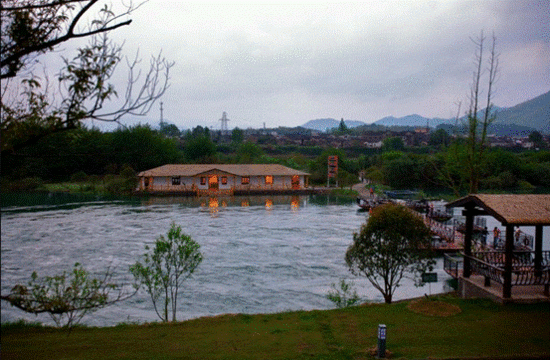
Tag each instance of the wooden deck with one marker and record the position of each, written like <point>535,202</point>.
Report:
<point>474,286</point>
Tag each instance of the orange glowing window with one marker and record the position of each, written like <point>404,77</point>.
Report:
<point>203,180</point>
<point>245,180</point>
<point>269,180</point>
<point>224,180</point>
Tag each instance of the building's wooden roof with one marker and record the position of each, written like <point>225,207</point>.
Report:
<point>234,169</point>
<point>511,209</point>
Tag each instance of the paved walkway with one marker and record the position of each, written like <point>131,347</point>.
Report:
<point>362,189</point>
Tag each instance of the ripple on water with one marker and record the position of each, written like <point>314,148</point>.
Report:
<point>257,259</point>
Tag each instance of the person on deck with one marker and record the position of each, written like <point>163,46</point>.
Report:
<point>496,236</point>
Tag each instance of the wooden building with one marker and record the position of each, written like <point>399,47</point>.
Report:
<point>222,179</point>
<point>517,275</point>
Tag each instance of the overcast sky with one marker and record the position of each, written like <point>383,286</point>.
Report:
<point>284,63</point>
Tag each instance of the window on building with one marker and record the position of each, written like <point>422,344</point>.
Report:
<point>245,180</point>
<point>203,180</point>
<point>269,180</point>
<point>224,180</point>
<point>176,180</point>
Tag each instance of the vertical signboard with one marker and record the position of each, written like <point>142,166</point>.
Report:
<point>332,169</point>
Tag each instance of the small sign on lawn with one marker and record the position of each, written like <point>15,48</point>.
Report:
<point>429,277</point>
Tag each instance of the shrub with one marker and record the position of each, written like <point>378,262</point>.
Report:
<point>26,184</point>
<point>343,297</point>
<point>79,177</point>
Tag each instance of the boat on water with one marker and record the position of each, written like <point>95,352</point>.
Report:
<point>420,206</point>
<point>368,204</point>
<point>401,194</point>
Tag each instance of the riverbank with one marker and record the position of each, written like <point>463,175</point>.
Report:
<point>478,329</point>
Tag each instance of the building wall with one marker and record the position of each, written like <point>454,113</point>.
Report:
<point>233,183</point>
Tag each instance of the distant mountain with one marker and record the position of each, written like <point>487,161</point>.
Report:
<point>509,129</point>
<point>327,124</point>
<point>534,113</point>
<point>412,120</point>
<point>523,118</point>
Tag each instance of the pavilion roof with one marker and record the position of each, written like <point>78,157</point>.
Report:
<point>510,209</point>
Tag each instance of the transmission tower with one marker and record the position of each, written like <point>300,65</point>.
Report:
<point>224,120</point>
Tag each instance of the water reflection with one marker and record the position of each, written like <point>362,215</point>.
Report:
<point>295,203</point>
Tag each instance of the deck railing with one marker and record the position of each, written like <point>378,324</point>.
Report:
<point>490,264</point>
<point>452,265</point>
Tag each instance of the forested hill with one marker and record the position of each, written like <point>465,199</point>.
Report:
<point>534,113</point>
<point>531,115</point>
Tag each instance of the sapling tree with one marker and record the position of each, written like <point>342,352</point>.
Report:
<point>165,267</point>
<point>345,296</point>
<point>394,243</point>
<point>67,297</point>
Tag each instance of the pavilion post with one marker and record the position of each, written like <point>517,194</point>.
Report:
<point>509,253</point>
<point>538,250</point>
<point>469,213</point>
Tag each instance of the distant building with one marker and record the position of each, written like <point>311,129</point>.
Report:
<point>222,179</point>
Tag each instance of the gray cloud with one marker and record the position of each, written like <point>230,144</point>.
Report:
<point>285,64</point>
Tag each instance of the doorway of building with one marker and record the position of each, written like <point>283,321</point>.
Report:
<point>213,182</point>
<point>295,182</point>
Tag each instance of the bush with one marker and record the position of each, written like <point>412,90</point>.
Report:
<point>525,186</point>
<point>120,186</point>
<point>79,177</point>
<point>343,297</point>
<point>26,184</point>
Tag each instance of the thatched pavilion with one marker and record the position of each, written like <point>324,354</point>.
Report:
<point>510,267</point>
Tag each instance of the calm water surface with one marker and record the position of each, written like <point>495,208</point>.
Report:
<point>261,254</point>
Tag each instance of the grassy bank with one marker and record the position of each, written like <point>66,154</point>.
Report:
<point>471,328</point>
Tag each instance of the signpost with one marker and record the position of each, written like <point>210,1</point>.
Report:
<point>429,278</point>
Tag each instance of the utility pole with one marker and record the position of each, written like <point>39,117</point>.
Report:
<point>161,116</point>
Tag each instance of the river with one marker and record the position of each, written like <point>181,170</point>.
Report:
<point>261,254</point>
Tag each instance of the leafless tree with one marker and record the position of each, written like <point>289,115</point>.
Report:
<point>479,120</point>
<point>32,107</point>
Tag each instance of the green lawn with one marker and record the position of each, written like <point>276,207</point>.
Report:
<point>480,329</point>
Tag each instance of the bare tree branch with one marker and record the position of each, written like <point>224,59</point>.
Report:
<point>16,56</point>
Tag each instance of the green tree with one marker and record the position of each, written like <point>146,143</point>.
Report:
<point>169,130</point>
<point>199,149</point>
<point>393,243</point>
<point>173,259</point>
<point>237,136</point>
<point>141,148</point>
<point>401,173</point>
<point>440,137</point>
<point>66,298</point>
<point>451,166</point>
<point>342,127</point>
<point>347,179</point>
<point>393,144</point>
<point>249,153</point>
<point>537,139</point>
